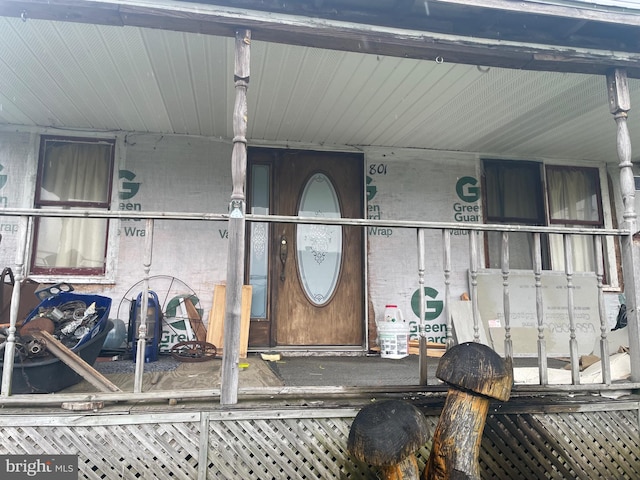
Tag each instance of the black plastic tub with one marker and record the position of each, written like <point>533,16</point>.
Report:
<point>51,375</point>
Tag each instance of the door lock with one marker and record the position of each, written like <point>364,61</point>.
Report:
<point>283,254</point>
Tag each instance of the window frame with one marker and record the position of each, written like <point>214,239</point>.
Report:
<point>85,274</point>
<point>586,223</point>
<point>541,197</point>
<point>610,248</point>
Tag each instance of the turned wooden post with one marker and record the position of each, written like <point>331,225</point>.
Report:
<point>619,106</point>
<point>235,256</point>
<point>475,374</point>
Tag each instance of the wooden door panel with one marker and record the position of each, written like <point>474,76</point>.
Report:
<point>298,320</point>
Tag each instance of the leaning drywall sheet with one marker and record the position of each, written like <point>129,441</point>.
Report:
<point>523,313</point>
<point>461,312</point>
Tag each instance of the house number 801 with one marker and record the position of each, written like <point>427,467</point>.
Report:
<point>377,169</point>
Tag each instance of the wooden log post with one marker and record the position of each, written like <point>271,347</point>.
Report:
<point>475,374</point>
<point>235,257</point>
<point>387,434</point>
<point>619,106</point>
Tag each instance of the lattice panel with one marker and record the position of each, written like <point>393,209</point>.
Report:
<point>593,445</point>
<point>282,448</point>
<point>585,446</point>
<point>153,451</point>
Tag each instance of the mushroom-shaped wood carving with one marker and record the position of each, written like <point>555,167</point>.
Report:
<point>387,434</point>
<point>475,374</point>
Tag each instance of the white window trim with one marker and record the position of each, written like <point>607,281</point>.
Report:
<point>113,243</point>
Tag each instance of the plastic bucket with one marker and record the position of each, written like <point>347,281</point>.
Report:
<point>392,314</point>
<point>394,339</point>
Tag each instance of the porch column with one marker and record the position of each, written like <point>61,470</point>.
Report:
<point>235,256</point>
<point>10,345</point>
<point>619,106</point>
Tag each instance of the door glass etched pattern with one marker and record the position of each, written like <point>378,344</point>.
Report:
<point>319,247</point>
<point>258,259</point>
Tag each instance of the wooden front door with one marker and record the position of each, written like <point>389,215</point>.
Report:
<point>315,279</point>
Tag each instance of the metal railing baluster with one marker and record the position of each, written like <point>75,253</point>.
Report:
<point>473,269</point>
<point>10,343</point>
<point>604,324</point>
<point>143,332</point>
<point>573,343</point>
<point>542,344</point>
<point>446,246</point>
<point>422,368</point>
<point>508,343</point>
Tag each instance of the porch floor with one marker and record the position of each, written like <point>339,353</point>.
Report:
<point>288,382</point>
<point>289,371</point>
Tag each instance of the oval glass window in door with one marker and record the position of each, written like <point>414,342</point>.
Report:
<point>319,247</point>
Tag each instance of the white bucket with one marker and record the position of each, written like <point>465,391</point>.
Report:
<point>393,334</point>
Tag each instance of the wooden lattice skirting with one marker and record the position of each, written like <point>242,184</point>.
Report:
<point>310,443</point>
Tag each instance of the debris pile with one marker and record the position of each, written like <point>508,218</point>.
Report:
<point>70,323</point>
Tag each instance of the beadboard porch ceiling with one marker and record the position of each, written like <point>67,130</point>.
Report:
<point>107,78</point>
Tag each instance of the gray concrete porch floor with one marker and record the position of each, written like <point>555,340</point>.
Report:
<point>290,371</point>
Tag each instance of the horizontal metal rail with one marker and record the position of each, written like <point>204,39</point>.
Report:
<point>483,227</point>
<point>445,228</point>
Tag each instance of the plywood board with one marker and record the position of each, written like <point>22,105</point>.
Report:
<point>216,317</point>
<point>215,330</point>
<point>245,317</point>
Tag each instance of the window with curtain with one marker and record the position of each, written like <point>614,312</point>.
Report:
<point>72,174</point>
<point>515,194</point>
<point>574,201</point>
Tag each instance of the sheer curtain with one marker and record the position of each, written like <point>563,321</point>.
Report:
<point>573,195</point>
<point>74,175</point>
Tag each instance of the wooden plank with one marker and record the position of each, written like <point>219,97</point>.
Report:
<point>76,363</point>
<point>245,319</point>
<point>577,11</point>
<point>215,331</point>
<point>215,328</point>
<point>196,321</point>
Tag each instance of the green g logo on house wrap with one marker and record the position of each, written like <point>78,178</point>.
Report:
<point>3,178</point>
<point>434,331</point>
<point>467,189</point>
<point>371,189</point>
<point>128,189</point>
<point>433,308</point>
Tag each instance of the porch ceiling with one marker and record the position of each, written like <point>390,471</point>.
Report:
<point>109,78</point>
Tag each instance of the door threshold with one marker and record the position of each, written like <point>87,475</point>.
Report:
<point>324,351</point>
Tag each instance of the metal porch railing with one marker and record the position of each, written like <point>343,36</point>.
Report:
<point>444,229</point>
